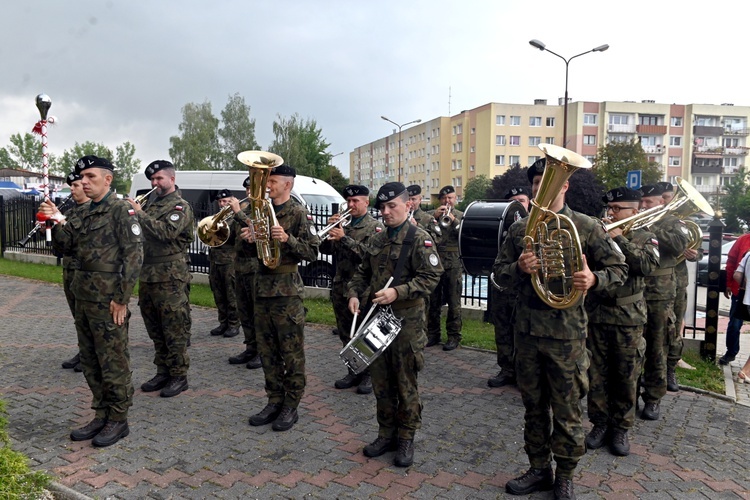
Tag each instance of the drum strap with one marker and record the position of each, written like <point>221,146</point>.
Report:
<point>408,242</point>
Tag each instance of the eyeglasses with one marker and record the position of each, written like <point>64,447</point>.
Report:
<point>616,208</point>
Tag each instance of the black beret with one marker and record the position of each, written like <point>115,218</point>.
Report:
<point>72,177</point>
<point>224,193</point>
<point>517,191</point>
<point>355,190</point>
<point>246,183</point>
<point>666,186</point>
<point>414,190</point>
<point>284,170</point>
<point>652,190</point>
<point>621,194</point>
<point>92,161</point>
<point>536,168</point>
<point>446,190</point>
<point>388,192</point>
<point>157,165</point>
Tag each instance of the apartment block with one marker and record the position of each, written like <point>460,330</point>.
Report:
<point>703,143</point>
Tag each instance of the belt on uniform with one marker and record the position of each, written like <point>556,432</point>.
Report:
<point>163,258</point>
<point>662,272</point>
<point>448,249</point>
<point>285,269</point>
<point>406,304</point>
<point>622,301</point>
<point>98,267</point>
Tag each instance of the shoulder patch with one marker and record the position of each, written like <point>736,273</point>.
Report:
<point>131,212</point>
<point>136,229</point>
<point>178,207</point>
<point>309,217</point>
<point>654,242</point>
<point>437,229</point>
<point>428,243</point>
<point>313,231</point>
<point>174,217</point>
<point>434,260</point>
<point>378,229</point>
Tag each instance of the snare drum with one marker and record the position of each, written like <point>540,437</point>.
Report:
<point>371,340</point>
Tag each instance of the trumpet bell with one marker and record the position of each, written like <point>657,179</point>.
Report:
<point>212,233</point>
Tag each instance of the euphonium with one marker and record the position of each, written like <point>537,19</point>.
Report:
<point>345,218</point>
<point>214,230</point>
<point>260,164</point>
<point>558,248</point>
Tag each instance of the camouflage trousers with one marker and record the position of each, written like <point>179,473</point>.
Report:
<point>105,359</point>
<point>552,375</point>
<point>394,378</point>
<point>222,281</point>
<point>280,324</point>
<point>448,289</point>
<point>659,329</point>
<point>68,275</point>
<point>617,354</point>
<point>245,288</point>
<point>674,353</point>
<point>165,311</point>
<point>501,316</point>
<point>344,317</point>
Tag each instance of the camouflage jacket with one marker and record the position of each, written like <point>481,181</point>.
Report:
<point>672,235</point>
<point>420,275</point>
<point>448,244</point>
<point>303,243</point>
<point>109,249</point>
<point>625,305</point>
<point>681,270</point>
<point>245,254</point>
<point>350,249</point>
<point>534,317</point>
<point>429,224</point>
<point>168,231</point>
<point>69,260</point>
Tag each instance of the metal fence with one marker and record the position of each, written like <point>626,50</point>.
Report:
<point>18,217</point>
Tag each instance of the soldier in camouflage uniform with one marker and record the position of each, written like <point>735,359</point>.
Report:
<point>168,230</point>
<point>551,358</point>
<point>660,295</point>
<point>69,261</point>
<point>348,245</point>
<point>107,239</point>
<point>616,320</point>
<point>423,219</point>
<point>394,372</point>
<point>246,265</point>
<point>451,281</point>
<point>279,310</point>
<point>503,302</point>
<point>221,278</point>
<point>682,280</point>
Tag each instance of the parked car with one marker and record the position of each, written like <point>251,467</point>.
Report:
<point>702,277</point>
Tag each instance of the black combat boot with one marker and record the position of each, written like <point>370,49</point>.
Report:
<point>597,437</point>
<point>349,380</point>
<point>501,380</point>
<point>243,357</point>
<point>365,384</point>
<point>72,362</point>
<point>286,419</point>
<point>379,446</point>
<point>451,344</point>
<point>431,341</point>
<point>232,331</point>
<point>175,386</point>
<point>254,363</point>
<point>619,445</point>
<point>89,430</point>
<point>266,415</point>
<point>156,383</point>
<point>219,331</point>
<point>650,411</point>
<point>112,433</point>
<point>529,482</point>
<point>405,453</point>
<point>564,489</point>
<point>672,384</point>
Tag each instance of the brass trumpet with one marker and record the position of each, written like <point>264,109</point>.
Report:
<point>141,198</point>
<point>445,220</point>
<point>345,218</point>
<point>214,230</point>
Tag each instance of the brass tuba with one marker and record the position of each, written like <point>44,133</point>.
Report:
<point>260,164</point>
<point>214,230</point>
<point>558,248</point>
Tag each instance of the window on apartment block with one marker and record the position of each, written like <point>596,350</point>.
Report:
<point>515,121</point>
<point>590,119</point>
<point>550,122</point>
<point>674,161</point>
<point>499,140</point>
<point>500,120</point>
<point>549,140</point>
<point>675,141</point>
<point>515,140</point>
<point>500,160</point>
<point>535,121</point>
<point>535,141</point>
<point>589,140</point>
<point>676,121</point>
<point>532,159</point>
<point>515,160</point>
<point>619,119</point>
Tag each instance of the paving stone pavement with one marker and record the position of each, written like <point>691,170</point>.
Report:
<point>199,444</point>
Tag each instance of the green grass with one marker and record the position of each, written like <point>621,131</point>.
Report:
<point>16,479</point>
<point>707,375</point>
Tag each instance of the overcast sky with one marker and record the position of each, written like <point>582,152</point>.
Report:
<point>121,71</point>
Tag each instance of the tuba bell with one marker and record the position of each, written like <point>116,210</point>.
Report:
<point>260,164</point>
<point>214,230</point>
<point>558,247</point>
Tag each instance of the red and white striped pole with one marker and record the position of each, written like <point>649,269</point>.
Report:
<point>43,103</point>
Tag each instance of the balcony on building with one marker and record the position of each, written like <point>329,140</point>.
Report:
<point>709,151</point>
<point>706,131</point>
<point>737,132</point>
<point>619,128</point>
<point>731,170</point>
<point>651,129</point>
<point>654,150</point>
<point>738,151</point>
<point>708,188</point>
<point>706,164</point>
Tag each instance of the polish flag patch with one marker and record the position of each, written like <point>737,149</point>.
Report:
<point>309,217</point>
<point>654,242</point>
<point>131,212</point>
<point>427,243</point>
<point>178,207</point>
<point>378,229</point>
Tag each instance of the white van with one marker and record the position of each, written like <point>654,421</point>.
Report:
<point>199,187</point>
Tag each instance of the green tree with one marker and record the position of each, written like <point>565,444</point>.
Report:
<point>301,144</point>
<point>478,188</point>
<point>237,133</point>
<point>515,176</point>
<point>336,179</point>
<point>614,161</point>
<point>126,164</point>
<point>71,156</point>
<point>25,153</point>
<point>197,147</point>
<point>735,203</point>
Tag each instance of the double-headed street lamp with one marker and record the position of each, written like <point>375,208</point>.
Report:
<point>399,140</point>
<point>539,45</point>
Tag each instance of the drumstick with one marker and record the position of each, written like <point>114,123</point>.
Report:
<point>354,325</point>
<point>364,321</point>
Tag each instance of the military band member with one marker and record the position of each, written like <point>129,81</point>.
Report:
<point>279,311</point>
<point>449,288</point>
<point>503,303</point>
<point>394,372</point>
<point>660,295</point>
<point>221,278</point>
<point>616,320</point>
<point>107,239</point>
<point>168,231</point>
<point>246,265</point>
<point>422,218</point>
<point>69,260</point>
<point>551,358</point>
<point>349,245</point>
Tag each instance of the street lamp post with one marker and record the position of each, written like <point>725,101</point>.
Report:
<point>539,45</point>
<point>330,164</point>
<point>399,140</point>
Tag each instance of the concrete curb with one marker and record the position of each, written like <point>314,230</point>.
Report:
<point>61,492</point>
